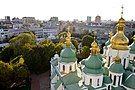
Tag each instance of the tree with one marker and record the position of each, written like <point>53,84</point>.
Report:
<point>85,32</point>
<point>46,41</point>
<point>13,72</point>
<point>6,75</point>
<point>21,40</point>
<point>75,43</point>
<point>20,70</point>
<point>38,57</point>
<point>59,47</point>
<point>62,35</point>
<point>7,53</point>
<point>87,40</point>
<point>85,51</point>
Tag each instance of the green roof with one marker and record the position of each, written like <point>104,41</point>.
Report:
<point>132,46</point>
<point>53,75</point>
<point>117,68</point>
<point>68,60</point>
<point>107,43</point>
<point>74,87</point>
<point>93,62</point>
<point>57,84</point>
<point>107,80</point>
<point>129,66</point>
<point>100,57</point>
<point>118,88</point>
<point>105,71</point>
<point>125,75</point>
<point>68,55</point>
<point>71,46</point>
<point>92,71</point>
<point>83,62</point>
<point>130,82</point>
<point>55,62</point>
<point>71,78</point>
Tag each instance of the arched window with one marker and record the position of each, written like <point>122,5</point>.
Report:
<point>98,82</point>
<point>110,75</point>
<point>134,58</point>
<point>63,67</point>
<point>75,66</point>
<point>114,81</point>
<point>90,81</point>
<point>119,80</point>
<point>70,67</point>
<point>109,60</point>
<point>124,64</point>
<point>108,87</point>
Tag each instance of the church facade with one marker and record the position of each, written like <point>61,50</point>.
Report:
<point>113,70</point>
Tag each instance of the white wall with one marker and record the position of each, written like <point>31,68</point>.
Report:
<point>123,54</point>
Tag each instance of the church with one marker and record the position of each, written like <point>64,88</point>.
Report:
<point>112,70</point>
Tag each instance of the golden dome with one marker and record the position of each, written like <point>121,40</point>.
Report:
<point>68,39</point>
<point>94,46</point>
<point>98,50</point>
<point>119,41</point>
<point>134,38</point>
<point>121,21</point>
<point>110,35</point>
<point>117,59</point>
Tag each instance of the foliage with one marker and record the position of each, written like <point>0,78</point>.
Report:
<point>46,41</point>
<point>6,74</point>
<point>7,53</point>
<point>75,43</point>
<point>85,51</point>
<point>87,40</point>
<point>85,31</point>
<point>62,35</point>
<point>59,47</point>
<point>14,72</point>
<point>20,72</point>
<point>21,40</point>
<point>62,40</point>
<point>38,57</point>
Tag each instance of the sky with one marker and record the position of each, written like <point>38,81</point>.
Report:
<point>68,9</point>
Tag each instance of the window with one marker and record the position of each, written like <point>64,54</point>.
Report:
<point>70,68</point>
<point>108,87</point>
<point>119,80</point>
<point>124,64</point>
<point>63,67</point>
<point>114,81</point>
<point>110,75</point>
<point>98,82</point>
<point>90,81</point>
<point>75,66</point>
<point>134,58</point>
<point>109,61</point>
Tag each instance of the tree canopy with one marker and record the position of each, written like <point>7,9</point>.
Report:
<point>87,40</point>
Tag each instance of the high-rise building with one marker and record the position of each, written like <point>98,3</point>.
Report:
<point>98,19</point>
<point>88,19</point>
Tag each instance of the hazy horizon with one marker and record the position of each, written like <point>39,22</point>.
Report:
<point>67,9</point>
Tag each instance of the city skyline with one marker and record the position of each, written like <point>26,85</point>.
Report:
<point>68,9</point>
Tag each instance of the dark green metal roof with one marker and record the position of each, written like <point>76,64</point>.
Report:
<point>93,62</point>
<point>117,68</point>
<point>132,46</point>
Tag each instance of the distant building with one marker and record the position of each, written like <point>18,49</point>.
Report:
<point>88,19</point>
<point>98,19</point>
